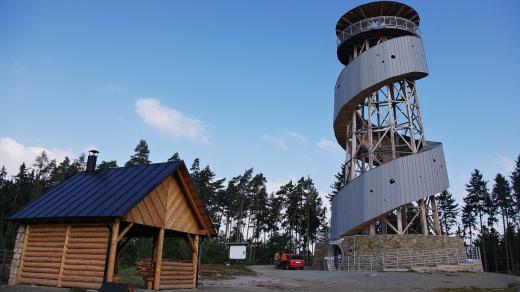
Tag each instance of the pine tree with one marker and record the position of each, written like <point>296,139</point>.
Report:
<point>141,155</point>
<point>448,209</point>
<point>175,156</point>
<point>478,197</point>
<point>339,182</point>
<point>107,164</point>
<point>502,198</point>
<point>468,221</point>
<point>515,186</point>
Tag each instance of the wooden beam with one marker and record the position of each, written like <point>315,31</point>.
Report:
<point>125,231</point>
<point>63,255</point>
<point>391,226</point>
<point>113,251</point>
<point>158,260</point>
<point>191,201</point>
<point>436,222</point>
<point>424,223</point>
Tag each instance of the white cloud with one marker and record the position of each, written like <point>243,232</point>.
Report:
<point>505,164</point>
<point>275,141</point>
<point>170,120</point>
<point>281,140</point>
<point>327,145</point>
<point>297,136</point>
<point>13,154</point>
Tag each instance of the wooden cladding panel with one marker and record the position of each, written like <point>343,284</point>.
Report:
<point>67,256</point>
<point>42,255</point>
<point>84,263</point>
<point>176,274</point>
<point>166,207</point>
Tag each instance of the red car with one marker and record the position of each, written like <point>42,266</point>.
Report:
<point>291,261</point>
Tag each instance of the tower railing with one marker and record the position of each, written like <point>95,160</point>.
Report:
<point>378,22</point>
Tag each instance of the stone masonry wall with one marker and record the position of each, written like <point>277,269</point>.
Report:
<point>369,245</point>
<point>17,254</point>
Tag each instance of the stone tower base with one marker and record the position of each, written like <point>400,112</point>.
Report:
<point>394,252</point>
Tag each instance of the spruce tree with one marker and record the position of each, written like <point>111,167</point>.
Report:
<point>339,182</point>
<point>448,209</point>
<point>515,187</point>
<point>175,156</point>
<point>141,154</point>
<point>478,197</point>
<point>501,196</point>
<point>107,164</point>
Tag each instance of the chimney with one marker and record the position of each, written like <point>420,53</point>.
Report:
<point>91,161</point>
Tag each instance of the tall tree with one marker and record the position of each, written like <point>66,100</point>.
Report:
<point>141,154</point>
<point>175,156</point>
<point>468,221</point>
<point>515,184</point>
<point>107,164</point>
<point>501,196</point>
<point>449,210</point>
<point>478,197</point>
<point>339,182</point>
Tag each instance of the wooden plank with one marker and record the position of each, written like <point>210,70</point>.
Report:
<point>177,264</point>
<point>156,221</point>
<point>42,244</point>
<point>69,278</point>
<point>50,254</point>
<point>84,266</point>
<point>41,270</point>
<point>45,282</point>
<point>84,273</point>
<point>43,259</point>
<point>158,259</point>
<point>177,268</point>
<point>88,245</point>
<point>103,240</point>
<point>81,285</point>
<point>178,286</point>
<point>34,239</point>
<point>84,251</point>
<point>47,276</point>
<point>86,256</point>
<point>167,273</point>
<point>42,265</point>
<point>88,234</point>
<point>178,282</point>
<point>158,205</point>
<point>63,254</point>
<point>190,199</point>
<point>169,278</point>
<point>113,251</point>
<point>43,249</point>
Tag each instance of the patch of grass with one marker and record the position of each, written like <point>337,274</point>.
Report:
<point>130,275</point>
<point>214,271</point>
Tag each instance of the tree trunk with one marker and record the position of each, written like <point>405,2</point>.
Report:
<point>483,242</point>
<point>508,264</point>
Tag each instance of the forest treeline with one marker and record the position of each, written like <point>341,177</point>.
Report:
<point>291,218</point>
<point>241,209</point>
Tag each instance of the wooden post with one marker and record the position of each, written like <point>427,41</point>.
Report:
<point>113,251</point>
<point>384,226</point>
<point>195,259</point>
<point>158,260</point>
<point>399,221</point>
<point>424,223</point>
<point>372,228</point>
<point>63,254</point>
<point>436,222</point>
<point>353,147</point>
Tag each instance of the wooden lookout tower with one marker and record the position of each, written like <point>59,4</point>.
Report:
<point>70,236</point>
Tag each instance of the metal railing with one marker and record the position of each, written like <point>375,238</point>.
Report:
<point>378,22</point>
<point>402,260</point>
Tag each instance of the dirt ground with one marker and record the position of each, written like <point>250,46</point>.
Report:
<point>269,279</point>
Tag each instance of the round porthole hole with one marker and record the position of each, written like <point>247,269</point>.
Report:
<point>393,56</point>
<point>391,181</point>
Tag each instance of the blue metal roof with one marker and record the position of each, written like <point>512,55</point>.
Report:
<point>100,194</point>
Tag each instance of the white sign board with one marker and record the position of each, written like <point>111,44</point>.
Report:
<point>237,252</point>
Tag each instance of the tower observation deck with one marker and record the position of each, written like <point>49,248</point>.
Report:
<point>392,172</point>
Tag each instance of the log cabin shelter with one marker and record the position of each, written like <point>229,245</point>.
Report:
<point>70,236</point>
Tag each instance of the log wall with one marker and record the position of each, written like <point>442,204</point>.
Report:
<point>64,255</point>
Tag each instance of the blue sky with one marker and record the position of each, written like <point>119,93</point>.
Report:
<point>241,84</point>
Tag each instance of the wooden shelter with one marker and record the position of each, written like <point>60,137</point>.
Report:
<point>70,236</point>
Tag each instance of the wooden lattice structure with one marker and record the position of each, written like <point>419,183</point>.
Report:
<point>76,244</point>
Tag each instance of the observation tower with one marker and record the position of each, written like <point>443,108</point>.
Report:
<point>392,172</point>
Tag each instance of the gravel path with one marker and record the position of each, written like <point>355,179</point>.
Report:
<point>269,279</point>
